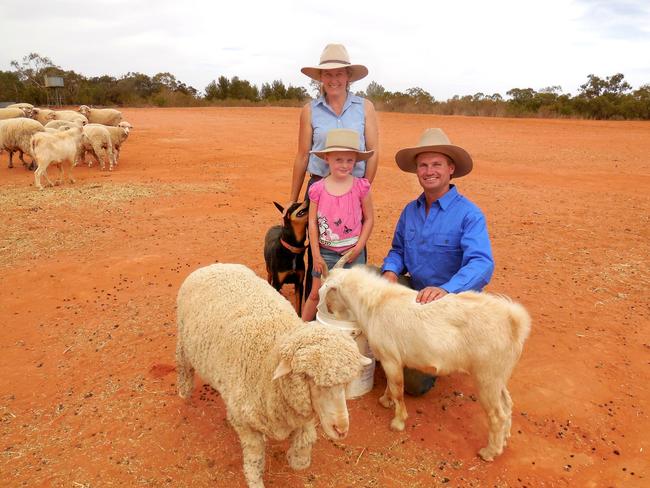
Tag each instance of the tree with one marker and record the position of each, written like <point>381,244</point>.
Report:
<point>375,92</point>
<point>32,69</point>
<point>612,85</point>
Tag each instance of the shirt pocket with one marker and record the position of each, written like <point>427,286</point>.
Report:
<point>446,242</point>
<point>409,237</point>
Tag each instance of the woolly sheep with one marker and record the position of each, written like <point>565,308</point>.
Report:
<point>15,135</point>
<point>55,148</point>
<point>96,140</point>
<point>476,333</point>
<point>118,135</point>
<point>70,116</point>
<point>275,373</point>
<point>43,115</point>
<point>57,124</point>
<point>104,116</point>
<point>25,107</point>
<point>11,113</point>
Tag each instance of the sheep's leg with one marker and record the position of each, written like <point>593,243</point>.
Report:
<point>490,397</point>
<point>252,445</point>
<point>41,171</point>
<point>70,178</point>
<point>185,372</point>
<point>11,157</point>
<point>111,157</point>
<point>59,181</point>
<point>395,392</point>
<point>302,440</point>
<point>507,408</point>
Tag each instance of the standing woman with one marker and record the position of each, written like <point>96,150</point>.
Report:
<point>336,108</point>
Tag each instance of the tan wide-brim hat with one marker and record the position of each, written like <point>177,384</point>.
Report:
<point>336,56</point>
<point>435,140</point>
<point>343,140</point>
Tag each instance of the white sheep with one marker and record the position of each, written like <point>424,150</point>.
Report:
<point>96,140</point>
<point>25,107</point>
<point>66,124</point>
<point>104,116</point>
<point>70,116</point>
<point>118,135</point>
<point>11,113</point>
<point>43,115</point>
<point>275,373</point>
<point>15,135</point>
<point>57,148</point>
<point>475,333</point>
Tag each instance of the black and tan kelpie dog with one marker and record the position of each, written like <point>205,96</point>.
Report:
<point>284,250</point>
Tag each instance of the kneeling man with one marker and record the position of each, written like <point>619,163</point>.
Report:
<point>441,238</point>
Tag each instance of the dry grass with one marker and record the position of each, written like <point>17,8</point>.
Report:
<point>36,222</point>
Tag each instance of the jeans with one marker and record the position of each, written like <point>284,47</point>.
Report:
<point>332,257</point>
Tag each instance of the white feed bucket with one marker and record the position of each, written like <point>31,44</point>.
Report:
<point>363,384</point>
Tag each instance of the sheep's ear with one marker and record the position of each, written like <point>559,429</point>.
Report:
<point>283,368</point>
<point>364,361</point>
<point>279,207</point>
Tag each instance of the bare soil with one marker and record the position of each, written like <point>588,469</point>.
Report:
<point>90,271</point>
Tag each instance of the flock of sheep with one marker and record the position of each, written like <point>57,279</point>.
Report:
<point>278,376</point>
<point>61,137</point>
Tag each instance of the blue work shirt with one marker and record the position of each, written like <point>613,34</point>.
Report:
<point>448,248</point>
<point>323,119</point>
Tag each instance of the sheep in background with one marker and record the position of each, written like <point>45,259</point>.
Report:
<point>118,136</point>
<point>56,148</point>
<point>57,124</point>
<point>475,333</point>
<point>104,116</point>
<point>70,116</point>
<point>96,140</point>
<point>43,115</point>
<point>15,135</point>
<point>11,113</point>
<point>25,107</point>
<point>275,373</point>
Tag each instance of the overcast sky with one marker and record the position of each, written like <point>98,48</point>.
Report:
<point>447,48</point>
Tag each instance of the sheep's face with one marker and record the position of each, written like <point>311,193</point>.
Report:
<point>84,110</point>
<point>329,404</point>
<point>336,305</point>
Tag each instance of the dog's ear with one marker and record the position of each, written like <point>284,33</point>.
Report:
<point>279,207</point>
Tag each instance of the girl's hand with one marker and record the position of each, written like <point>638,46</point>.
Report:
<point>353,253</point>
<point>319,262</point>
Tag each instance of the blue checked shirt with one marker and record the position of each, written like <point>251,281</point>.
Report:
<point>448,248</point>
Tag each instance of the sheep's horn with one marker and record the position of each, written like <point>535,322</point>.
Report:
<point>343,261</point>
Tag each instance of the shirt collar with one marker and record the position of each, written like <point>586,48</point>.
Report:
<point>348,101</point>
<point>444,201</point>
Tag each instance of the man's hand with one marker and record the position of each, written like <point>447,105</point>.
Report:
<point>429,294</point>
<point>390,276</point>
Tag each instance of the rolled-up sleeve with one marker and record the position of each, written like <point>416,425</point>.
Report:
<point>477,263</point>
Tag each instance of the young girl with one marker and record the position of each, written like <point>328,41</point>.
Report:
<point>340,210</point>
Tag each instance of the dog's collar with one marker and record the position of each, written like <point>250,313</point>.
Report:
<point>293,249</point>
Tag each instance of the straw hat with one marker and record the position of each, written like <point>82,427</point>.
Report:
<point>343,140</point>
<point>336,56</point>
<point>435,140</point>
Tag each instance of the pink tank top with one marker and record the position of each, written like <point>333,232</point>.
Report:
<point>339,216</point>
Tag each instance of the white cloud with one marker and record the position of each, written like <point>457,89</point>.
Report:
<point>446,48</point>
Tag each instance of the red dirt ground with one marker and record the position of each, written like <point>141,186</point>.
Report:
<point>90,273</point>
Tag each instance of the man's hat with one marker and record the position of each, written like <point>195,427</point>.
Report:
<point>435,140</point>
<point>343,140</point>
<point>335,56</point>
